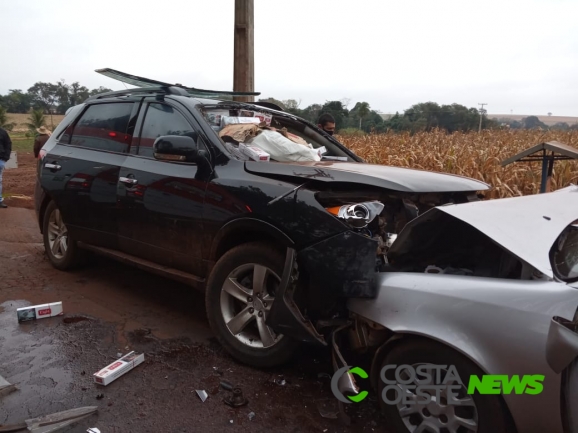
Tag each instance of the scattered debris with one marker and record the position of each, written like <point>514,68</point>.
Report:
<point>99,396</point>
<point>82,373</point>
<point>236,399</point>
<point>6,387</point>
<point>202,394</point>
<point>84,388</point>
<point>39,311</point>
<point>119,367</point>
<point>93,430</point>
<point>118,355</point>
<point>280,381</point>
<point>53,422</point>
<point>217,371</point>
<point>251,416</point>
<point>231,421</point>
<point>227,385</point>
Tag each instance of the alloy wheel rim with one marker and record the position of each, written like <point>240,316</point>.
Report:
<point>57,235</point>
<point>246,298</point>
<point>437,416</point>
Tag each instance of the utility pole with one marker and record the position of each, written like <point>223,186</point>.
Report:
<point>244,65</point>
<point>482,111</point>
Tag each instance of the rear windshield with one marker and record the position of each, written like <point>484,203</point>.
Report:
<point>282,138</point>
<point>565,254</point>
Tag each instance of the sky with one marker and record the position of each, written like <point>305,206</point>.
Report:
<point>518,56</point>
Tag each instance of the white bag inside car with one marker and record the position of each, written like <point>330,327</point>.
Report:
<point>282,149</point>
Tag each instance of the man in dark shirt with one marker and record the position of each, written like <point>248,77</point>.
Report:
<point>41,138</point>
<point>5,150</point>
<point>327,123</point>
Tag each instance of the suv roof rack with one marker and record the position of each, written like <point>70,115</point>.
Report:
<point>148,83</point>
<point>170,90</point>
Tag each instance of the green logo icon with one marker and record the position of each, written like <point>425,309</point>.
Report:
<point>358,371</point>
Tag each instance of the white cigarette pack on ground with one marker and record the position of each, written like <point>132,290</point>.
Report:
<point>39,311</point>
<point>118,368</point>
<point>254,152</point>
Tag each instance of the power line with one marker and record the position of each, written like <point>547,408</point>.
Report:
<point>481,114</point>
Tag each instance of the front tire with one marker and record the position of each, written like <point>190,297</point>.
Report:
<point>240,292</point>
<point>60,247</point>
<point>478,413</point>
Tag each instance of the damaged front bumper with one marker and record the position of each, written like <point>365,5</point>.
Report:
<point>342,266</point>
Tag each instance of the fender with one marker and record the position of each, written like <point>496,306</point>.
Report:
<point>247,225</point>
<point>500,325</point>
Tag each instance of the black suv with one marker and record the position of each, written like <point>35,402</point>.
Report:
<point>143,176</point>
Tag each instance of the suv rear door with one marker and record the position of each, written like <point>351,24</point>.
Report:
<point>81,172</point>
<point>161,202</point>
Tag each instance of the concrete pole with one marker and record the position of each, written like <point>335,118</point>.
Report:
<point>244,68</point>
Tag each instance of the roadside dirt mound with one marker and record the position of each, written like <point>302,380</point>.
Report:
<point>18,183</point>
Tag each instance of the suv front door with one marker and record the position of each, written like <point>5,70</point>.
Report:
<point>80,173</point>
<point>161,202</point>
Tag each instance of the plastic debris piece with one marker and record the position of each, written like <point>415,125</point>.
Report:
<point>119,355</point>
<point>57,421</point>
<point>328,408</point>
<point>227,385</point>
<point>100,396</point>
<point>236,399</point>
<point>202,394</point>
<point>6,387</point>
<point>93,430</point>
<point>231,421</point>
<point>251,416</point>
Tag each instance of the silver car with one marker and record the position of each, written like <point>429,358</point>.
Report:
<point>491,288</point>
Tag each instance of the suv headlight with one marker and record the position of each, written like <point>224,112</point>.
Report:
<point>357,215</point>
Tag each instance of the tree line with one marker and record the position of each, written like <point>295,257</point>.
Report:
<point>48,97</point>
<point>56,98</point>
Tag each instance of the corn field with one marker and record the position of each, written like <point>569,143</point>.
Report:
<point>470,154</point>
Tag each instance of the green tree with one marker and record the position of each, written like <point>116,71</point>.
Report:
<point>4,123</point>
<point>99,91</point>
<point>36,119</point>
<point>361,110</point>
<point>532,122</point>
<point>17,102</point>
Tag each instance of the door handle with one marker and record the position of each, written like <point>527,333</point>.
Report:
<point>128,180</point>
<point>55,167</point>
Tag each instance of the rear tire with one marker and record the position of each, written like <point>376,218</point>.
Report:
<point>483,413</point>
<point>240,292</point>
<point>60,247</point>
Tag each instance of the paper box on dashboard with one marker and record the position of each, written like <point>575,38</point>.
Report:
<point>254,152</point>
<point>39,311</point>
<point>118,368</point>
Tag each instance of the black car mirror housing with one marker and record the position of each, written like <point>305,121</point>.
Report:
<point>183,148</point>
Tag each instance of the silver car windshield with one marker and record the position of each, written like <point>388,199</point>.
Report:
<point>565,254</point>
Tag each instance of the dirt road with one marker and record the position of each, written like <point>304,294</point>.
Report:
<point>111,309</point>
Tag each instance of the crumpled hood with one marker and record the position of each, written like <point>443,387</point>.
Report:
<point>527,226</point>
<point>393,178</point>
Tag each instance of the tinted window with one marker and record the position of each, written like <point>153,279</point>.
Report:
<point>161,119</point>
<point>104,127</point>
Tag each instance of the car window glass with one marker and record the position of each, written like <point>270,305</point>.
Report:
<point>104,127</point>
<point>161,119</point>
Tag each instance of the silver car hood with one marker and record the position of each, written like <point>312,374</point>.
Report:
<point>527,226</point>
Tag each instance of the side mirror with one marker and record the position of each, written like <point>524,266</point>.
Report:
<point>178,148</point>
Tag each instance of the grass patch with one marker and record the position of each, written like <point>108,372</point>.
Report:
<point>23,144</point>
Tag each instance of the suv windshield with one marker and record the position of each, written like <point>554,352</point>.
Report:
<point>565,254</point>
<point>283,137</point>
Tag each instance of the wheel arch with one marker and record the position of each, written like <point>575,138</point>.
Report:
<point>42,210</point>
<point>244,230</point>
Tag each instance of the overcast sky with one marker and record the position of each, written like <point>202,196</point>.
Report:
<point>516,55</point>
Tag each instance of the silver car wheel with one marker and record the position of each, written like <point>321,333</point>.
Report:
<point>246,298</point>
<point>438,416</point>
<point>57,235</point>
